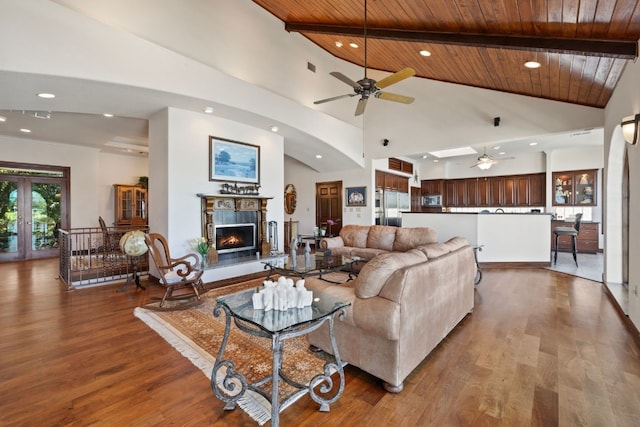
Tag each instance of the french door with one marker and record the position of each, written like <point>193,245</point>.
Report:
<point>32,209</point>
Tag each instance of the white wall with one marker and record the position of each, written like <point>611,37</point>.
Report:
<point>185,148</point>
<point>92,174</point>
<point>305,178</point>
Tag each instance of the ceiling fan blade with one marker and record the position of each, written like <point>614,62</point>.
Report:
<point>362,104</point>
<point>333,98</point>
<point>394,97</point>
<point>338,75</point>
<point>396,77</point>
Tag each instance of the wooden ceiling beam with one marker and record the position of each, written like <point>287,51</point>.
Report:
<point>619,49</point>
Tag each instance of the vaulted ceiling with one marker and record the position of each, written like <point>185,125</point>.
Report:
<point>582,46</point>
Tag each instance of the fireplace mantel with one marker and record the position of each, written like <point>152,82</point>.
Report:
<point>237,203</point>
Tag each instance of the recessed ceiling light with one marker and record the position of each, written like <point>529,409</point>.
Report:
<point>353,45</point>
<point>108,115</point>
<point>274,128</point>
<point>497,147</point>
<point>208,110</point>
<point>3,119</point>
<point>424,156</point>
<point>533,143</point>
<point>435,160</point>
<point>338,44</point>
<point>46,95</point>
<point>25,130</point>
<point>502,153</point>
<point>425,53</point>
<point>532,64</point>
<point>318,156</point>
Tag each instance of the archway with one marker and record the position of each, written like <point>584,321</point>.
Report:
<point>615,227</point>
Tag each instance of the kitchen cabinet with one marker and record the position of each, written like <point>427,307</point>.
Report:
<point>455,192</point>
<point>380,179</point>
<point>503,191</point>
<point>537,189</point>
<point>587,240</point>
<point>478,191</point>
<point>574,188</point>
<point>392,182</point>
<point>130,205</point>
<point>431,187</point>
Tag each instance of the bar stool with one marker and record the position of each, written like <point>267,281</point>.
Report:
<point>568,231</point>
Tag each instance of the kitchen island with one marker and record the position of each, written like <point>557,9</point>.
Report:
<point>506,238</point>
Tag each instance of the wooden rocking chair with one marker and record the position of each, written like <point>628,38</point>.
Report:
<point>175,273</point>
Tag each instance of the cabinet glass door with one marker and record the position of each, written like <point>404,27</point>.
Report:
<point>563,185</point>
<point>585,188</point>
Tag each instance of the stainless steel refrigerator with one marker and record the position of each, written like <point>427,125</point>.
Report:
<point>389,207</point>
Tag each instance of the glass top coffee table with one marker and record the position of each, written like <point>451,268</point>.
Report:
<point>311,266</point>
<point>277,326</point>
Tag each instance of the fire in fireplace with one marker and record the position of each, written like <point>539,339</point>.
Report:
<point>235,237</point>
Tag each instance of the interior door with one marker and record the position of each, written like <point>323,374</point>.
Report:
<point>32,208</point>
<point>329,205</point>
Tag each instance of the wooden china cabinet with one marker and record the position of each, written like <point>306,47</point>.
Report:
<point>130,205</point>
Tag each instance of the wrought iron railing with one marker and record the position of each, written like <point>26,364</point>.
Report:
<point>92,256</point>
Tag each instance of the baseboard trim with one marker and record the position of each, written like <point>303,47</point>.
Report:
<point>519,264</point>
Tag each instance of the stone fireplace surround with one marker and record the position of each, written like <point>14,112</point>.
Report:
<point>235,209</point>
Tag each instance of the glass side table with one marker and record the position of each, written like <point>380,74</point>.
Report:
<point>277,326</point>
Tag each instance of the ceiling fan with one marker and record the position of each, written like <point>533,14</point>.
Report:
<point>367,87</point>
<point>485,161</point>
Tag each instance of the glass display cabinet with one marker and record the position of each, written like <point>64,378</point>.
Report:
<point>574,188</point>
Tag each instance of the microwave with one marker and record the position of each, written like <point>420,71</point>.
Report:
<point>432,200</point>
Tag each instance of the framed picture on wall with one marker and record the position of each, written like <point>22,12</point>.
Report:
<point>233,161</point>
<point>356,196</point>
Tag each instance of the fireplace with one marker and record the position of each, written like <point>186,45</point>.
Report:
<point>235,237</point>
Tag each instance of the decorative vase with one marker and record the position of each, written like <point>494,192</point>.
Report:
<point>204,263</point>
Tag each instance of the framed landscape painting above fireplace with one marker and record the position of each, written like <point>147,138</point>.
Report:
<point>233,161</point>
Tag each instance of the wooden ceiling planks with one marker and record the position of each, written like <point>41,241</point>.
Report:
<point>577,67</point>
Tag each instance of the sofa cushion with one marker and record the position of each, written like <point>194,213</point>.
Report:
<point>411,237</point>
<point>381,237</point>
<point>456,243</point>
<point>367,253</point>
<point>355,235</point>
<point>434,250</point>
<point>374,273</point>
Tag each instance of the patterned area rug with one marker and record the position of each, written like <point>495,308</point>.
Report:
<point>194,331</point>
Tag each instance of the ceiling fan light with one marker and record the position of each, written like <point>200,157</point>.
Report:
<point>484,165</point>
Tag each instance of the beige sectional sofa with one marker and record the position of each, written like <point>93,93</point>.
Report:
<point>368,241</point>
<point>403,304</point>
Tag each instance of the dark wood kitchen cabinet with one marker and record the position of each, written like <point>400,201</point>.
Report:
<point>432,187</point>
<point>587,240</point>
<point>392,182</point>
<point>455,192</point>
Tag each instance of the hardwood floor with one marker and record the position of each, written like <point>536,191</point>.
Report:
<point>540,349</point>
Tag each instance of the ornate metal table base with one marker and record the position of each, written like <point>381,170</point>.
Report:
<point>234,385</point>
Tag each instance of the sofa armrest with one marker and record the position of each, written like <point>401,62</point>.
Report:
<point>378,316</point>
<point>331,242</point>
